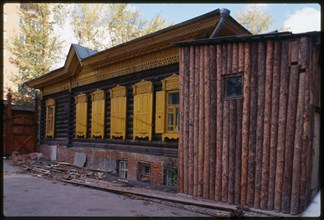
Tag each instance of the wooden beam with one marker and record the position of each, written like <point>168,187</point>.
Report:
<point>274,124</point>
<point>207,133</point>
<point>219,124</point>
<point>196,120</point>
<point>253,124</point>
<point>283,98</point>
<point>267,125</point>
<point>191,120</point>
<point>245,121</point>
<point>201,124</point>
<point>260,123</point>
<point>213,107</point>
<point>291,122</point>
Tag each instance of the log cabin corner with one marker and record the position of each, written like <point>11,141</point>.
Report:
<point>203,106</point>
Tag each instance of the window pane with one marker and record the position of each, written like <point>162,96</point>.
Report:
<point>170,122</point>
<point>233,86</point>
<point>173,98</point>
<point>146,170</point>
<point>50,110</point>
<point>177,119</point>
<point>122,165</point>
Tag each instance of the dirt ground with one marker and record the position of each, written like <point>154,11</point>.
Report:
<point>30,195</point>
<point>37,186</point>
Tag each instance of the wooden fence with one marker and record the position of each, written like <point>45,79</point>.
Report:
<point>255,150</point>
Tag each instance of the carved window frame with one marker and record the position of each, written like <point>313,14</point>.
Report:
<point>143,90</point>
<point>169,85</point>
<point>81,104</point>
<point>50,118</point>
<point>98,123</point>
<point>118,96</point>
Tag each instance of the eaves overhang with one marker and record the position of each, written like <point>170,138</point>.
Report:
<point>72,65</point>
<point>47,79</point>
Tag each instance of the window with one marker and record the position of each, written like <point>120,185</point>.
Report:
<point>98,114</point>
<point>5,17</point>
<point>171,176</point>
<point>118,112</point>
<point>81,108</point>
<point>22,38</point>
<point>50,118</point>
<point>173,112</point>
<point>167,108</point>
<point>144,172</point>
<point>122,169</point>
<point>22,22</point>
<point>21,74</point>
<point>232,86</point>
<point>35,25</point>
<point>143,113</point>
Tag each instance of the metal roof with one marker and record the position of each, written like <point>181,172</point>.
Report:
<point>83,52</point>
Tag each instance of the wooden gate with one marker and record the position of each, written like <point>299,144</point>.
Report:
<point>19,128</point>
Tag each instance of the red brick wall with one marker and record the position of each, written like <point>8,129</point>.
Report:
<point>99,158</point>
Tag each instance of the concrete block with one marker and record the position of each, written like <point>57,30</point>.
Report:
<point>80,159</point>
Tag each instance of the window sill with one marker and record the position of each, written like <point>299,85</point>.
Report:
<point>170,136</point>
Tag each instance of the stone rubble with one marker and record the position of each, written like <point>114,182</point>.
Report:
<point>39,165</point>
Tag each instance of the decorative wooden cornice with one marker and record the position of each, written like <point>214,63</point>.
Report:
<point>57,87</point>
<point>98,95</point>
<point>50,102</point>
<point>171,83</point>
<point>143,87</point>
<point>149,61</point>
<point>81,98</point>
<point>118,91</point>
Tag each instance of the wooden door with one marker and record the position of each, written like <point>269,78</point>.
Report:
<point>23,137</point>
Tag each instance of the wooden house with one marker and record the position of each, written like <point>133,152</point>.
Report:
<point>120,106</point>
<point>249,120</point>
<point>232,116</point>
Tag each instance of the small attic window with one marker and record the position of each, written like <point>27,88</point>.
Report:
<point>232,86</point>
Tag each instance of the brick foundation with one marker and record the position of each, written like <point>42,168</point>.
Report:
<point>106,160</point>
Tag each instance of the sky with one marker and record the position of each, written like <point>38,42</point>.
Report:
<point>297,17</point>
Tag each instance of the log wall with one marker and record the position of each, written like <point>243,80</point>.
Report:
<point>252,150</point>
<point>65,115</point>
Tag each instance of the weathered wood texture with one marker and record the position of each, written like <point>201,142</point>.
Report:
<point>20,127</point>
<point>253,150</point>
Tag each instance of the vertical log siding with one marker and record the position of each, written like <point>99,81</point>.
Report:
<point>252,150</point>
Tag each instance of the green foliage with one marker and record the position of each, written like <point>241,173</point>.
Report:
<point>37,48</point>
<point>255,19</point>
<point>100,26</point>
